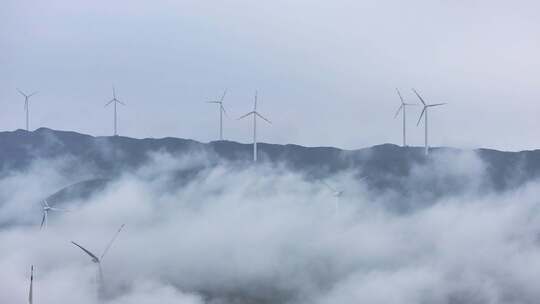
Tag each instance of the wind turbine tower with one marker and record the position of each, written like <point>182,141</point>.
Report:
<point>403,109</point>
<point>31,291</point>
<point>115,101</point>
<point>221,112</point>
<point>255,114</point>
<point>424,113</point>
<point>27,107</point>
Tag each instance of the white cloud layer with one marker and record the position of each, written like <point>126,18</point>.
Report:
<point>267,235</point>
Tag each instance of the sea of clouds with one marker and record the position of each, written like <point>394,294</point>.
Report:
<point>264,234</point>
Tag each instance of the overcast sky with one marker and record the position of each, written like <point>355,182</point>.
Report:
<point>326,71</point>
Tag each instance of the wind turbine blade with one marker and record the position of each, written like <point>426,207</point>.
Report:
<point>218,102</point>
<point>419,97</point>
<point>95,258</point>
<point>30,292</point>
<point>255,103</point>
<point>268,121</point>
<point>112,241</point>
<point>22,93</point>
<point>59,209</point>
<point>43,219</point>
<point>436,104</point>
<point>223,96</point>
<point>328,186</point>
<point>244,116</point>
<point>45,203</point>
<point>32,94</point>
<point>398,110</point>
<point>421,114</point>
<point>108,103</point>
<point>120,102</point>
<point>400,97</point>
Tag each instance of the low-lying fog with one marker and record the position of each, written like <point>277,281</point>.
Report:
<point>264,234</point>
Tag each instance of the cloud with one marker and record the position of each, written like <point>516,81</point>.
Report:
<point>266,234</point>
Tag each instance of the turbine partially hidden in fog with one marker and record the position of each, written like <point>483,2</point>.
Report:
<point>98,261</point>
<point>336,193</point>
<point>424,113</point>
<point>27,107</point>
<point>115,101</point>
<point>403,108</point>
<point>31,291</point>
<point>45,209</point>
<point>255,115</point>
<point>221,112</point>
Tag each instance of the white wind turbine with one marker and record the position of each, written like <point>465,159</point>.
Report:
<point>403,108</point>
<point>255,114</point>
<point>31,291</point>
<point>115,101</point>
<point>336,193</point>
<point>27,107</point>
<point>221,112</point>
<point>45,209</point>
<point>98,260</point>
<point>424,113</point>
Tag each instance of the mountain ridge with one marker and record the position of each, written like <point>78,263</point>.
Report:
<point>382,167</point>
<point>68,132</point>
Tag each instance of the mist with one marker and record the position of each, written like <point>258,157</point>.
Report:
<point>266,234</point>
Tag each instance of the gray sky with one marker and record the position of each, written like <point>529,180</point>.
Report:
<point>326,70</point>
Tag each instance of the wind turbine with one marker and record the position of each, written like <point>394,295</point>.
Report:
<point>97,260</point>
<point>424,113</point>
<point>255,114</point>
<point>336,193</point>
<point>115,101</point>
<point>402,108</point>
<point>31,292</point>
<point>221,112</point>
<point>46,208</point>
<point>27,106</point>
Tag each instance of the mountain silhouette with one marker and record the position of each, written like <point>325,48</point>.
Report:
<point>404,171</point>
